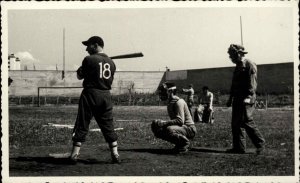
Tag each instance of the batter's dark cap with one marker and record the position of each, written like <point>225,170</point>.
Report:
<point>93,40</point>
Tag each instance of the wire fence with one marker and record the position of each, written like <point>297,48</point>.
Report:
<point>147,99</point>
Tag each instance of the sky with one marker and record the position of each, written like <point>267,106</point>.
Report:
<point>179,38</point>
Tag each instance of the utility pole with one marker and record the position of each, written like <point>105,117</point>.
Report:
<point>63,71</point>
<point>241,30</point>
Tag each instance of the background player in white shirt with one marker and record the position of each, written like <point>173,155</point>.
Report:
<point>204,112</point>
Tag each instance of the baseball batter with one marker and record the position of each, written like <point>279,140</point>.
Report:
<point>242,98</point>
<point>97,70</point>
<point>180,128</point>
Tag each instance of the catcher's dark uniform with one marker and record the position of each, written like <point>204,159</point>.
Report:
<point>95,100</point>
<point>244,85</point>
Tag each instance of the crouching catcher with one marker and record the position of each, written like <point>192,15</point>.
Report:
<point>180,129</point>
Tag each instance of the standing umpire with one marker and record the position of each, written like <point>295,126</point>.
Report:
<point>242,97</point>
<point>97,70</point>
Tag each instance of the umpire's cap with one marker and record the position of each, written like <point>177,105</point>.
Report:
<point>93,40</point>
<point>236,48</point>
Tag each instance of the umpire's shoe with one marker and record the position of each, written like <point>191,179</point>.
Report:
<point>260,150</point>
<point>115,159</point>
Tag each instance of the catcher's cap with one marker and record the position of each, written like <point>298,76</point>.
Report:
<point>94,39</point>
<point>166,86</point>
<point>169,86</point>
<point>236,48</point>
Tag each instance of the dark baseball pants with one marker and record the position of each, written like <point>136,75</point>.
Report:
<point>97,103</point>
<point>207,115</point>
<point>175,134</point>
<point>242,121</point>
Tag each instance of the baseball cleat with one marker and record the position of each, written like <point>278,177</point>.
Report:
<point>181,149</point>
<point>73,159</point>
<point>115,159</point>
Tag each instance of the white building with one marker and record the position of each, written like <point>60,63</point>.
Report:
<point>14,63</point>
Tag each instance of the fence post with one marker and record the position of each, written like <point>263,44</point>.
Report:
<point>32,99</point>
<point>20,100</point>
<point>39,104</point>
<point>57,100</point>
<point>267,100</point>
<point>129,100</point>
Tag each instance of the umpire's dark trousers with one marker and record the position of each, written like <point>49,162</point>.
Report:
<point>242,120</point>
<point>97,103</point>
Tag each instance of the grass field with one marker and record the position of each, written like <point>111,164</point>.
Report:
<point>142,154</point>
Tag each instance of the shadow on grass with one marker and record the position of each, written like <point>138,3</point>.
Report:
<point>58,161</point>
<point>171,152</point>
<point>151,150</point>
<point>210,150</point>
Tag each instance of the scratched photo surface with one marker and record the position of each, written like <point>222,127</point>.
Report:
<point>187,46</point>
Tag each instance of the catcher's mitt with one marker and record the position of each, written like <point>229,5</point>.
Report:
<point>157,123</point>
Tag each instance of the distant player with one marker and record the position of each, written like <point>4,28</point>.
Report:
<point>204,112</point>
<point>190,97</point>
<point>97,70</point>
<point>180,128</point>
<point>242,98</point>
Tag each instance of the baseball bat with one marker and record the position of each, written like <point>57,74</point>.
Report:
<point>130,55</point>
